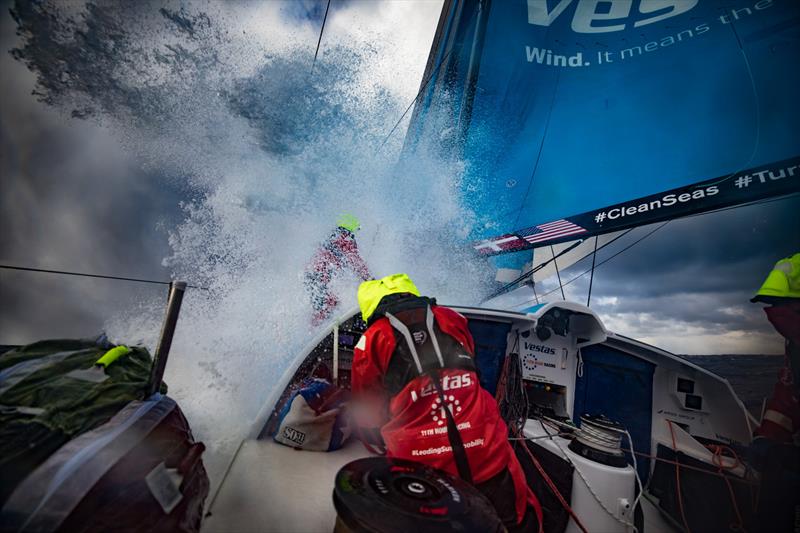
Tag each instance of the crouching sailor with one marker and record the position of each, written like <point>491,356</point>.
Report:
<point>418,395</point>
<point>777,442</point>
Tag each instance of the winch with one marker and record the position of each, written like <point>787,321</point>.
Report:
<point>599,439</point>
<point>384,495</point>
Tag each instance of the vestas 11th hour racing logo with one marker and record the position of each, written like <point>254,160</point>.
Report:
<point>531,360</point>
<point>592,16</point>
<point>437,409</point>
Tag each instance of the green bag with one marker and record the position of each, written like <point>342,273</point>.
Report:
<point>52,391</point>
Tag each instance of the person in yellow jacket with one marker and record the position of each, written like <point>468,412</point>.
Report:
<point>776,447</point>
<point>781,290</point>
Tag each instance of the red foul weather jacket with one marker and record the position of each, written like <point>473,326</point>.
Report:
<point>781,421</point>
<point>414,426</point>
<point>340,251</point>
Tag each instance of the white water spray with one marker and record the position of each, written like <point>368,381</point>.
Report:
<point>270,154</point>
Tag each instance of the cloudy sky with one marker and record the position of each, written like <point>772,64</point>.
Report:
<point>92,196</point>
<point>110,194</point>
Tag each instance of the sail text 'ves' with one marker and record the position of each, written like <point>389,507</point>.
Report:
<point>617,15</point>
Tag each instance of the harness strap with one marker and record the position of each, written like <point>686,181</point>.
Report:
<point>429,325</point>
<point>373,440</point>
<point>456,443</point>
<point>453,435</point>
<point>399,326</point>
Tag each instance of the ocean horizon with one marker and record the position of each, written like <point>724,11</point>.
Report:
<point>752,376</point>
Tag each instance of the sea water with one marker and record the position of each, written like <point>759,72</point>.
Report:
<point>752,377</point>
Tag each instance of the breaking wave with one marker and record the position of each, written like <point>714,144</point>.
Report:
<point>269,152</point>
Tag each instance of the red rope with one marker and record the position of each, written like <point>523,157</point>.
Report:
<point>501,383</point>
<point>717,460</point>
<point>678,478</point>
<point>689,467</point>
<point>553,489</point>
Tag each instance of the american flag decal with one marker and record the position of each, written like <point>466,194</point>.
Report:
<point>551,230</point>
<point>503,243</point>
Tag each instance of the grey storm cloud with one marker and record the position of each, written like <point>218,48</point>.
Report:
<point>715,253</point>
<point>70,199</point>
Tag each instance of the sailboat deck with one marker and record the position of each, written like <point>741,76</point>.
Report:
<point>271,487</point>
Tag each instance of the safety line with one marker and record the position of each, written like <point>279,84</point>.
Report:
<point>83,274</point>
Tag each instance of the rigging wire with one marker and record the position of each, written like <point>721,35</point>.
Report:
<point>414,101</point>
<point>760,202</point>
<point>422,87</point>
<point>321,30</point>
<point>83,274</point>
<point>541,144</point>
<point>541,147</point>
<point>591,279</point>
<point>557,272</point>
<point>543,264</point>
<point>533,270</point>
<point>634,243</point>
<point>607,260</point>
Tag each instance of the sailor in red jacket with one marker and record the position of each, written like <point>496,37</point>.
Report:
<point>775,450</point>
<point>781,291</point>
<point>338,253</point>
<point>415,363</point>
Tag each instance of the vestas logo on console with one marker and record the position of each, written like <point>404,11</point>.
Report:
<point>604,16</point>
<point>541,348</point>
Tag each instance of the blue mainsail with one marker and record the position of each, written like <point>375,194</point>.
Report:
<point>581,117</point>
